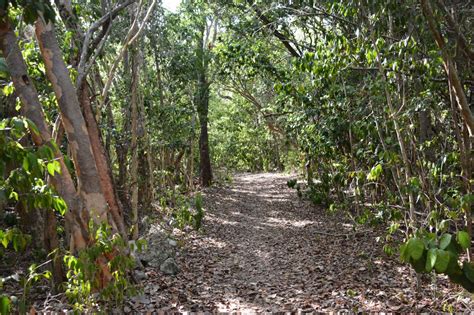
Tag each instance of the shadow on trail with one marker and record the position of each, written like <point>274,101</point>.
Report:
<point>260,251</point>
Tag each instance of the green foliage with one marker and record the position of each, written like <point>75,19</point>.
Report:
<point>31,9</point>
<point>5,305</point>
<point>184,214</point>
<point>34,275</point>
<point>85,276</point>
<point>292,183</point>
<point>19,241</point>
<point>15,238</point>
<point>199,215</point>
<point>25,166</point>
<point>427,252</point>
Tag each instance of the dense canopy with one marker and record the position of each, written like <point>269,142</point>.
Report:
<point>196,155</point>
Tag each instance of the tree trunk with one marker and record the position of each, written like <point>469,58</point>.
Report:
<point>202,103</point>
<point>74,124</point>
<point>102,163</point>
<point>76,221</point>
<point>134,141</point>
<point>450,69</point>
<point>204,155</point>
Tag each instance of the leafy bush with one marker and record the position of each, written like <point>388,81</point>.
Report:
<point>427,252</point>
<point>85,282</point>
<point>26,168</point>
<point>184,215</point>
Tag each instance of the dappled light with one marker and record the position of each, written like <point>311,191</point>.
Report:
<point>249,260</point>
<point>236,156</point>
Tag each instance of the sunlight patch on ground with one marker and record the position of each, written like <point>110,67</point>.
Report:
<point>244,191</point>
<point>212,242</point>
<point>279,221</point>
<point>229,199</point>
<point>222,221</point>
<point>262,254</point>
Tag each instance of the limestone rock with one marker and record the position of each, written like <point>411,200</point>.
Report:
<point>169,267</point>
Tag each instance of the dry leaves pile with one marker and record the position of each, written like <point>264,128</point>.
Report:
<point>263,249</point>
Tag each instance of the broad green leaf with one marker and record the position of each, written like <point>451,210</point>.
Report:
<point>445,240</point>
<point>468,269</point>
<point>415,248</point>
<point>404,253</point>
<point>54,167</point>
<point>419,264</point>
<point>463,239</point>
<point>442,261</point>
<point>14,195</point>
<point>430,259</point>
<point>453,265</point>
<point>4,305</point>
<point>59,205</point>
<point>375,172</point>
<point>5,242</point>
<point>26,164</point>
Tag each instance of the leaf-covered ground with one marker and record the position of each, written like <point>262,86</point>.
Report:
<point>263,249</point>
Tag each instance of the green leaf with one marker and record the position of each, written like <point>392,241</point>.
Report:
<point>415,248</point>
<point>26,164</point>
<point>375,172</point>
<point>453,265</point>
<point>430,260</point>
<point>463,239</point>
<point>419,265</point>
<point>442,261</point>
<point>4,305</point>
<point>3,65</point>
<point>468,269</point>
<point>14,195</point>
<point>53,167</point>
<point>445,240</point>
<point>32,126</point>
<point>404,253</point>
<point>59,205</point>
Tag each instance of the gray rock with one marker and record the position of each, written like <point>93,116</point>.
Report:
<point>145,223</point>
<point>161,250</point>
<point>142,299</point>
<point>157,258</point>
<point>169,267</point>
<point>140,275</point>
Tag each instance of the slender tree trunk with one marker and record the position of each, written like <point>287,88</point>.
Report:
<point>148,159</point>
<point>205,159</point>
<point>202,103</point>
<point>450,69</point>
<point>456,92</point>
<point>134,140</point>
<point>463,142</point>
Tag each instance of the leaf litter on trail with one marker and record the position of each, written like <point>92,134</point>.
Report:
<point>262,249</point>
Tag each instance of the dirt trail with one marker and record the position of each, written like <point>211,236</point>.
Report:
<point>264,249</point>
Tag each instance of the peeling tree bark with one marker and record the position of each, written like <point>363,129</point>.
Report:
<point>102,163</point>
<point>76,221</point>
<point>101,159</point>
<point>73,121</point>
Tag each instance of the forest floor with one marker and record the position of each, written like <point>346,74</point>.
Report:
<point>263,249</point>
